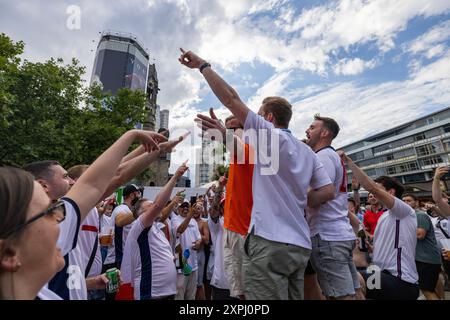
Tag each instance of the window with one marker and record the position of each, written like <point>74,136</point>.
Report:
<point>432,160</point>
<point>420,136</point>
<point>389,157</point>
<point>414,177</point>
<point>424,150</point>
<point>447,128</point>
<point>409,166</point>
<point>432,120</point>
<point>391,170</point>
<point>357,156</point>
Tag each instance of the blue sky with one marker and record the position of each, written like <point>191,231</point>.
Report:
<point>369,64</point>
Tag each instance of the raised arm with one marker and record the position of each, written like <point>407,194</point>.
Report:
<point>131,168</point>
<point>182,227</point>
<point>169,208</point>
<point>90,187</point>
<point>151,212</point>
<point>133,154</point>
<point>379,192</point>
<point>223,91</point>
<point>441,203</point>
<point>215,206</point>
<point>356,197</point>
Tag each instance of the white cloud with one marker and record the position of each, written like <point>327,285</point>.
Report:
<point>352,66</point>
<point>315,40</point>
<point>431,41</point>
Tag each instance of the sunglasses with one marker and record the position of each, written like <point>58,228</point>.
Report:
<point>57,210</point>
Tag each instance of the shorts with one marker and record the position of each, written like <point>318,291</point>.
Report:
<point>428,275</point>
<point>201,267</point>
<point>333,262</point>
<point>309,269</point>
<point>391,288</point>
<point>233,250</point>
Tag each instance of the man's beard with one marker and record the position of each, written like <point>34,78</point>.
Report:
<point>133,202</point>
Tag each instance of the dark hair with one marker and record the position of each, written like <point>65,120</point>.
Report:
<point>280,108</point>
<point>391,183</point>
<point>352,200</point>
<point>41,169</point>
<point>329,124</point>
<point>16,191</point>
<point>410,195</point>
<point>76,171</point>
<point>137,206</point>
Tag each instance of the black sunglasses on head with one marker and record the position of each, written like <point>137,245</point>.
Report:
<point>57,210</point>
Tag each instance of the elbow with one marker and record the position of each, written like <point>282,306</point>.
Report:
<point>330,194</point>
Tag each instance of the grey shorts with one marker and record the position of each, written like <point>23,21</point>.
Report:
<point>201,266</point>
<point>333,262</point>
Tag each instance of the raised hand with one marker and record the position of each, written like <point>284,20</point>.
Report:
<point>210,123</point>
<point>181,170</point>
<point>190,59</point>
<point>170,145</point>
<point>440,172</point>
<point>150,140</point>
<point>222,182</point>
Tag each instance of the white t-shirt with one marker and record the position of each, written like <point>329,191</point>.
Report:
<point>190,235</point>
<point>125,268</point>
<point>395,242</point>
<point>120,233</point>
<point>330,220</point>
<point>69,283</point>
<point>445,225</point>
<point>218,278</point>
<point>153,271</point>
<point>87,238</point>
<point>79,256</point>
<point>280,192</point>
<point>46,294</point>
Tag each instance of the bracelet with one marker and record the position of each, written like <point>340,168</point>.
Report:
<point>203,66</point>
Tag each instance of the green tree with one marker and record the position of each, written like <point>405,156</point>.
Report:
<point>47,112</point>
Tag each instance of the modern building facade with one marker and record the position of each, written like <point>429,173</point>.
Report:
<point>409,152</point>
<point>208,158</point>
<point>164,119</point>
<point>121,61</point>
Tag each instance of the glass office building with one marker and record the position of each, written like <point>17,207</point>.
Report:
<point>410,152</point>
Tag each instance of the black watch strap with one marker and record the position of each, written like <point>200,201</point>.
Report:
<point>203,66</point>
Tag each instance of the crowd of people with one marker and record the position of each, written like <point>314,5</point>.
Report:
<point>263,232</point>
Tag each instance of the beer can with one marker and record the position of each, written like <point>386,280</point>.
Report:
<point>114,282</point>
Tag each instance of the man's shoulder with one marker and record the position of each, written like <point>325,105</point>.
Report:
<point>121,208</point>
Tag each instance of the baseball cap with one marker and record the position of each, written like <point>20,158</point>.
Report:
<point>184,205</point>
<point>129,189</point>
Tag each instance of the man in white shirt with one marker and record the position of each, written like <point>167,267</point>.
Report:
<point>395,240</point>
<point>152,268</point>
<point>332,237</point>
<point>443,206</point>
<point>122,217</point>
<point>278,231</point>
<point>188,233</point>
<point>219,281</point>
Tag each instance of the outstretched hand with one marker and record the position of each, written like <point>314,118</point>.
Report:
<point>150,140</point>
<point>210,124</point>
<point>440,172</point>
<point>190,59</point>
<point>170,145</point>
<point>181,170</point>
